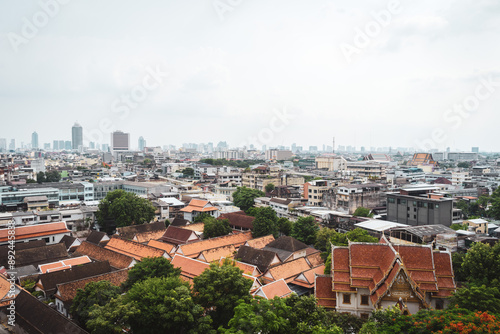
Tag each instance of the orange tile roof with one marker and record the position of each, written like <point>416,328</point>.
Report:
<point>133,249</point>
<point>277,288</point>
<point>116,260</point>
<point>190,267</point>
<point>324,293</point>
<point>35,231</point>
<point>147,236</point>
<point>196,227</point>
<point>64,264</point>
<point>161,245</point>
<point>215,254</point>
<point>247,268</point>
<point>306,279</point>
<point>288,270</point>
<point>315,259</point>
<point>261,242</point>
<point>66,292</point>
<point>193,249</point>
<point>198,205</point>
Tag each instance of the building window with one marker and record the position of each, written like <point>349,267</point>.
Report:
<point>364,315</point>
<point>364,300</point>
<point>347,298</point>
<point>439,304</point>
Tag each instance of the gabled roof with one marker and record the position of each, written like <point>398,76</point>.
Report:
<point>190,268</point>
<point>116,260</point>
<point>128,232</point>
<point>97,237</point>
<point>134,249</point>
<point>33,316</point>
<point>306,279</point>
<point>48,281</point>
<point>288,270</point>
<point>36,231</point>
<point>278,288</point>
<point>215,254</point>
<point>39,255</point>
<point>261,242</point>
<point>238,219</point>
<point>70,242</point>
<point>24,245</point>
<point>162,245</point>
<point>323,291</point>
<point>193,249</point>
<point>288,244</point>
<point>261,258</point>
<point>315,259</point>
<point>147,236</point>
<point>63,264</point>
<point>177,235</point>
<point>179,222</point>
<point>199,205</point>
<point>248,269</point>
<point>66,292</point>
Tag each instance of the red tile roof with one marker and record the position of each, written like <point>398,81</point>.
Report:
<point>190,268</point>
<point>261,242</point>
<point>176,235</point>
<point>116,260</point>
<point>35,231</point>
<point>323,291</point>
<point>134,249</point>
<point>194,249</point>
<point>238,219</point>
<point>278,288</point>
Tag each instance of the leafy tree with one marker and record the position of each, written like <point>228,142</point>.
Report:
<point>457,227</point>
<point>457,260</point>
<point>362,212</point>
<point>269,187</point>
<point>305,229</point>
<point>289,315</point>
<point>30,181</point>
<point>284,226</point>
<point>150,267</point>
<point>477,298</point>
<point>265,223</point>
<point>120,208</point>
<point>52,176</point>
<point>95,293</point>
<point>482,263</point>
<point>147,161</point>
<point>494,211</point>
<point>219,289</point>
<point>112,318</point>
<point>323,238</point>
<point>40,177</point>
<point>189,172</point>
<point>200,218</point>
<point>216,228</point>
<point>244,197</point>
<point>164,304</point>
<point>463,164</point>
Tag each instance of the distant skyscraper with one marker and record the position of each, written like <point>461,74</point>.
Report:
<point>67,145</point>
<point>12,145</point>
<point>46,146</point>
<point>55,145</point>
<point>475,149</point>
<point>120,141</point>
<point>105,148</point>
<point>77,136</point>
<point>91,145</point>
<point>34,140</point>
<point>142,143</point>
<point>61,144</point>
<point>3,144</point>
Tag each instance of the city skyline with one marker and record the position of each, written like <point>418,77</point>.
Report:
<point>197,74</point>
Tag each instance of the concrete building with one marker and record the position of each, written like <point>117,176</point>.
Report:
<point>353,196</point>
<point>314,191</point>
<point>120,141</point>
<point>76,137</point>
<point>34,140</point>
<point>274,154</point>
<point>419,205</point>
<point>331,163</point>
<point>367,169</point>
<point>142,143</point>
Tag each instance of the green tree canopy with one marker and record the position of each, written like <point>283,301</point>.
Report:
<point>150,267</point>
<point>305,230</point>
<point>269,187</point>
<point>112,318</point>
<point>362,212</point>
<point>219,289</point>
<point>244,197</point>
<point>481,263</point>
<point>189,172</point>
<point>284,226</point>
<point>478,298</point>
<point>216,228</point>
<point>494,211</point>
<point>200,218</point>
<point>120,208</point>
<point>265,223</point>
<point>323,238</point>
<point>95,293</point>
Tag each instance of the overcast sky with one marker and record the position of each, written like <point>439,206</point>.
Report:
<point>206,71</point>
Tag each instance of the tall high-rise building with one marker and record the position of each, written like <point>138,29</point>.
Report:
<point>34,140</point>
<point>77,136</point>
<point>120,141</point>
<point>12,145</point>
<point>55,145</point>
<point>3,144</point>
<point>61,144</point>
<point>475,149</point>
<point>142,143</point>
<point>67,145</point>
